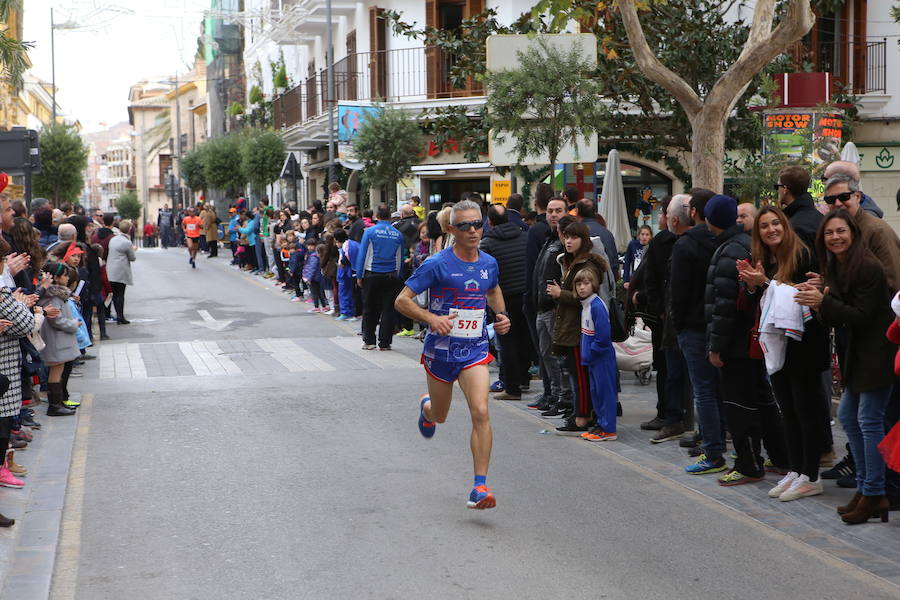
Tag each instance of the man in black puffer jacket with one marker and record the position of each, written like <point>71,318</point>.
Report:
<point>749,405</point>
<point>506,242</point>
<point>690,260</point>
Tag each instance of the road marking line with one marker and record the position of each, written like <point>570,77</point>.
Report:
<point>194,359</point>
<point>382,360</point>
<point>292,356</point>
<point>68,554</point>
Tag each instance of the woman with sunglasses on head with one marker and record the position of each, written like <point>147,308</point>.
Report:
<point>781,257</point>
<point>855,294</point>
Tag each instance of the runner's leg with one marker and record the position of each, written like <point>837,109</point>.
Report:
<point>474,383</point>
<point>440,394</point>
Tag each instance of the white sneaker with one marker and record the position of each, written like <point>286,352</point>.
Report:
<point>801,488</point>
<point>783,485</point>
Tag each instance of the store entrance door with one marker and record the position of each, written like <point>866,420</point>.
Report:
<point>451,190</point>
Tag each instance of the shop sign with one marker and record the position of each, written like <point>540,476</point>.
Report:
<point>879,158</point>
<point>500,191</point>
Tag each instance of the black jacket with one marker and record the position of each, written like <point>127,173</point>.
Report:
<point>545,269</point>
<point>687,279</point>
<point>727,329</point>
<point>409,227</point>
<point>536,237</point>
<point>805,219</point>
<point>506,243</point>
<point>656,271</point>
<point>609,244</point>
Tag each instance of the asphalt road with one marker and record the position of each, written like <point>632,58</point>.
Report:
<point>273,459</point>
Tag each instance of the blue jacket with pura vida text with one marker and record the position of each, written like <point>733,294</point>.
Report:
<point>380,250</point>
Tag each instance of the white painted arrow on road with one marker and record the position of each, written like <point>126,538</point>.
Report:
<point>209,322</point>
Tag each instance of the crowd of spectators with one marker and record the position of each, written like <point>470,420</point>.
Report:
<point>61,269</point>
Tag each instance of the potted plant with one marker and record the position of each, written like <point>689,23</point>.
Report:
<point>280,79</point>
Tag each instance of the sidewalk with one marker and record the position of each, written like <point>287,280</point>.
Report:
<point>873,547</point>
<point>28,548</point>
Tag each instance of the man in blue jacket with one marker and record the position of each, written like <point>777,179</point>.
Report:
<point>377,268</point>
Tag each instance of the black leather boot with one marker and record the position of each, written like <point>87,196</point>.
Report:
<point>55,406</point>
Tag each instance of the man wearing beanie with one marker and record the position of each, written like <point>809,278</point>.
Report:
<point>749,407</point>
<point>687,290</point>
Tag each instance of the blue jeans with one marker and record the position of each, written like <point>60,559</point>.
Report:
<point>862,417</point>
<point>707,400</point>
<point>262,262</point>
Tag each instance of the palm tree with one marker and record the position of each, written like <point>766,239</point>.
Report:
<point>13,51</point>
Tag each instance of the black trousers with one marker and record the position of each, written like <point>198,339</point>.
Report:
<point>379,292</point>
<point>118,290</point>
<point>659,365</point>
<point>799,394</point>
<point>515,347</point>
<point>213,248</point>
<point>752,415</point>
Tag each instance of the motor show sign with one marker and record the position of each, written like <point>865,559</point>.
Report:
<point>797,133</point>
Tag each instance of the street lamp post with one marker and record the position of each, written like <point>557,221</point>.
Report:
<point>329,60</point>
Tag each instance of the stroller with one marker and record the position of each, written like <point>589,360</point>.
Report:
<point>636,353</point>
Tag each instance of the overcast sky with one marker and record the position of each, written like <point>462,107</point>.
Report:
<point>95,67</point>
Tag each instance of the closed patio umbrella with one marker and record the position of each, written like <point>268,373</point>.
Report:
<point>612,202</point>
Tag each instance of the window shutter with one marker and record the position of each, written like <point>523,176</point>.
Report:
<point>378,49</point>
<point>432,55</point>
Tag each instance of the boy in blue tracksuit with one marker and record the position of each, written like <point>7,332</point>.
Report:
<point>312,275</point>
<point>598,355</point>
<point>345,278</point>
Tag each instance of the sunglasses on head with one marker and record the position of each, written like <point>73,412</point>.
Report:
<point>843,197</point>
<point>467,225</point>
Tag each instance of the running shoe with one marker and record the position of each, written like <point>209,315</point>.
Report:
<point>368,346</point>
<point>735,477</point>
<point>297,299</point>
<point>600,436</point>
<point>783,485</point>
<point>341,318</point>
<point>704,466</point>
<point>667,433</point>
<point>844,468</point>
<point>481,498</point>
<point>771,467</point>
<point>315,310</point>
<point>7,479</point>
<point>497,387</point>
<point>406,333</point>
<point>353,319</point>
<point>426,427</point>
<point>71,403</point>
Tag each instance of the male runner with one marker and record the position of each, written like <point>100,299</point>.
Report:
<point>191,226</point>
<point>461,281</point>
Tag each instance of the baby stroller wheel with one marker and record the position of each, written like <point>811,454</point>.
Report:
<point>644,376</point>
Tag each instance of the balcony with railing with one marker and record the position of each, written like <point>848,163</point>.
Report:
<point>402,75</point>
<point>859,64</point>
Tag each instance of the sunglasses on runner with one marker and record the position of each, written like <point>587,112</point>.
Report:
<point>842,197</point>
<point>467,225</point>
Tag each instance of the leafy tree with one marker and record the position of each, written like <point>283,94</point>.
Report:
<point>709,108</point>
<point>13,52</point>
<point>222,163</point>
<point>262,156</point>
<point>388,144</point>
<point>63,160</point>
<point>192,168</point>
<point>128,206</point>
<point>550,101</point>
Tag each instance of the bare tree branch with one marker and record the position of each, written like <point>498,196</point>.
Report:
<point>651,66</point>
<point>759,50</point>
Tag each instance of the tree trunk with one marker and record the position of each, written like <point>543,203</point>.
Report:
<point>708,151</point>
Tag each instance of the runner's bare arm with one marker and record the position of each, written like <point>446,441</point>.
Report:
<point>440,324</point>
<point>497,304</point>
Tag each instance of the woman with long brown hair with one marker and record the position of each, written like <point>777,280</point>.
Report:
<point>576,239</point>
<point>855,295</point>
<point>781,257</point>
<point>25,237</point>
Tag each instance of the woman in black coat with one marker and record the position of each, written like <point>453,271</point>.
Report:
<point>855,295</point>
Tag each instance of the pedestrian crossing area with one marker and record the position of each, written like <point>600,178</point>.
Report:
<point>263,356</point>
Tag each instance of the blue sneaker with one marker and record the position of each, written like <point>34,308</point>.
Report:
<point>704,466</point>
<point>341,318</point>
<point>426,427</point>
<point>481,498</point>
<point>497,386</point>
